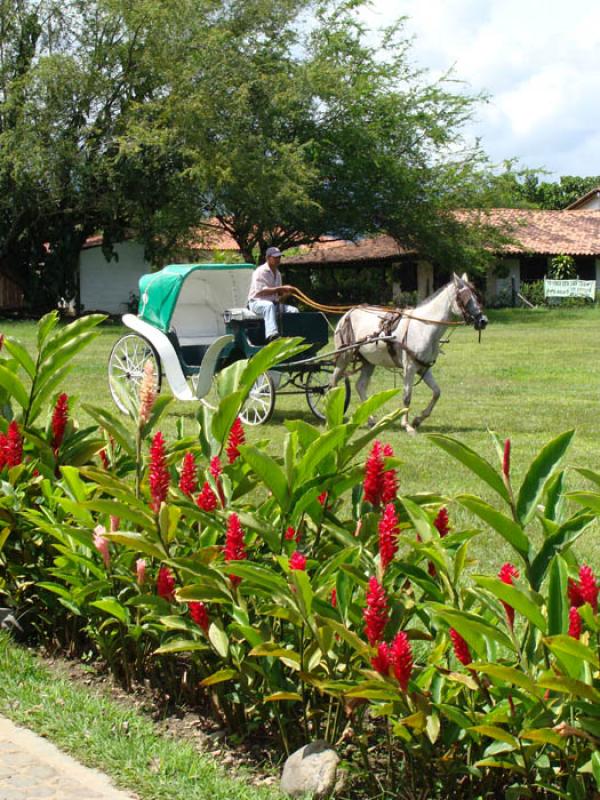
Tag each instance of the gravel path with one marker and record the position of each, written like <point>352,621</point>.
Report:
<point>32,768</point>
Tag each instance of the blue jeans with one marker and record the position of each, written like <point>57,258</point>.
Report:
<point>268,310</point>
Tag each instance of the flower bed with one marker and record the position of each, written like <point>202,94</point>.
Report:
<point>304,593</point>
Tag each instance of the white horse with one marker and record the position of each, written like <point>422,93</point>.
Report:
<point>406,339</point>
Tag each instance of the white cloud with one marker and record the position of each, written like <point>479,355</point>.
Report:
<point>538,59</point>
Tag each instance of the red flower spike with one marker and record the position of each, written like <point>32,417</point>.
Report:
<point>461,648</point>
<point>215,467</point>
<point>207,499</point>
<point>290,534</point>
<point>236,438</point>
<point>188,481</point>
<point>333,598</point>
<point>165,584</point>
<point>322,498</point>
<point>60,416</point>
<point>13,450</point>
<point>234,548</point>
<point>104,458</point>
<point>506,460</point>
<point>401,658</point>
<point>373,482</point>
<point>507,573</point>
<point>574,594</point>
<point>159,477</point>
<point>381,662</point>
<point>389,529</point>
<point>389,488</point>
<point>441,522</point>
<point>297,561</point>
<point>588,586</point>
<point>199,614</point>
<point>3,445</point>
<point>376,612</point>
<point>575,623</point>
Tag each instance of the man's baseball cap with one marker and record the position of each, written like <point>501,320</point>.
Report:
<point>275,252</point>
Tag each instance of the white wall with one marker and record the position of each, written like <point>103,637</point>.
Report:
<point>496,286</point>
<point>105,285</point>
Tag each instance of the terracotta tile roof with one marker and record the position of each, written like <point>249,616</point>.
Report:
<point>209,237</point>
<point>575,233</point>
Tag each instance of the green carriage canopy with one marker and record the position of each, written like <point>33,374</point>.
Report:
<point>196,294</point>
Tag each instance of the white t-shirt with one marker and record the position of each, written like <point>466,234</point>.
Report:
<point>263,277</point>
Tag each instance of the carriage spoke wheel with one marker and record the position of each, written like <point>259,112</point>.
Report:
<point>126,369</point>
<point>316,388</point>
<point>261,401</point>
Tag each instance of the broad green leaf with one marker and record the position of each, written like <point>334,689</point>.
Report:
<point>495,763</point>
<point>348,636</point>
<point>263,577</point>
<point>111,606</point>
<point>474,629</point>
<point>334,406</point>
<point>509,675</point>
<point>277,697</point>
<point>45,326</point>
<point>596,768</point>
<point>276,651</point>
<point>11,383</point>
<point>121,510</point>
<point>225,415</point>
<point>554,496</point>
<point>588,499</point>
<point>139,543</point>
<point>522,600</point>
<point>39,399</point>
<point>571,686</point>
<point>558,542</point>
<point>558,605</point>
<point>544,736</point>
<point>375,690</point>
<point>572,647</point>
<point>219,639</point>
<point>203,592</point>
<point>269,471</point>
<point>470,459</point>
<point>495,732</point>
<point>505,526</point>
<point>373,404</point>
<point>180,646</point>
<point>18,351</point>
<point>419,518</point>
<point>267,357</point>
<point>317,451</point>
<point>219,677</point>
<point>542,467</point>
<point>590,474</point>
<point>304,592</point>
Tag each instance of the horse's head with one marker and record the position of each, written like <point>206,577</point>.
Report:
<point>468,303</point>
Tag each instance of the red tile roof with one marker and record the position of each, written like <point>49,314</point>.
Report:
<point>209,237</point>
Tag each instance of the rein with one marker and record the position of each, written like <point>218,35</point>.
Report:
<point>371,309</point>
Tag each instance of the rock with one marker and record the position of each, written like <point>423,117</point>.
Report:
<point>311,770</point>
<point>8,621</point>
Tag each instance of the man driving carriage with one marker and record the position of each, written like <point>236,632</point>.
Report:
<point>267,291</point>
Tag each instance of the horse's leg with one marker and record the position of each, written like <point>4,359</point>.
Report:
<point>339,369</point>
<point>409,377</point>
<point>435,392</point>
<point>362,384</point>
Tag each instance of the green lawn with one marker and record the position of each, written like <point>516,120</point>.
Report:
<point>533,376</point>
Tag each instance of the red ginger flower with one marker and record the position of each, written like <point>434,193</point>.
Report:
<point>322,498</point>
<point>140,570</point>
<point>199,613</point>
<point>3,444</point>
<point>373,482</point>
<point>574,594</point>
<point>588,586</point>
<point>461,648</point>
<point>215,470</point>
<point>375,614</point>
<point>147,394</point>
<point>507,573</point>
<point>236,438</point>
<point>506,460</point>
<point>381,662</point>
<point>292,534</point>
<point>165,584</point>
<point>334,598</point>
<point>104,458</point>
<point>207,499</point>
<point>390,480</point>
<point>574,623</point>
<point>13,449</point>
<point>388,535</point>
<point>101,544</point>
<point>60,416</point>
<point>441,522</point>
<point>158,473</point>
<point>297,561</point>
<point>234,549</point>
<point>401,658</point>
<point>188,481</point>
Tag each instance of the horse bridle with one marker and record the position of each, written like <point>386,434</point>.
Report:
<point>466,297</point>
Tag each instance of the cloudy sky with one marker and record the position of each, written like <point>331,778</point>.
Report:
<point>539,60</point>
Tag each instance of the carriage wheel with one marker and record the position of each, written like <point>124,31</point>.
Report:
<point>126,369</point>
<point>259,406</point>
<point>317,386</point>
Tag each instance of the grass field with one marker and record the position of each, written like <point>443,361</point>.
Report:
<point>535,374</point>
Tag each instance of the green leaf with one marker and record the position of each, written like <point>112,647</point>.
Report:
<point>372,405</point>
<point>419,518</point>
<point>348,636</point>
<point>219,677</point>
<point>180,646</point>
<point>470,459</point>
<point>18,351</point>
<point>544,736</point>
<point>495,732</point>
<point>269,471</point>
<point>542,467</point>
<point>121,510</point>
<point>519,598</point>
<point>14,387</point>
<point>45,326</point>
<point>219,639</point>
<point>113,426</point>
<point>274,650</point>
<point>277,697</point>
<point>506,527</point>
<point>139,543</point>
<point>509,675</point>
<point>375,690</point>
<point>304,592</point>
<point>317,451</point>
<point>558,605</point>
<point>596,768</point>
<point>572,647</point>
<point>113,608</point>
<point>263,577</point>
<point>474,629</point>
<point>558,542</point>
<point>571,686</point>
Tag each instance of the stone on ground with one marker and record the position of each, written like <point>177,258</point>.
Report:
<point>311,770</point>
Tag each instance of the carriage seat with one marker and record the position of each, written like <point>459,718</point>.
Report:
<point>238,314</point>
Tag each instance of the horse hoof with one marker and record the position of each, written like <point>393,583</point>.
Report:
<point>410,430</point>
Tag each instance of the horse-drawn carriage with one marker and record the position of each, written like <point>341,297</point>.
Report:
<point>193,322</point>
